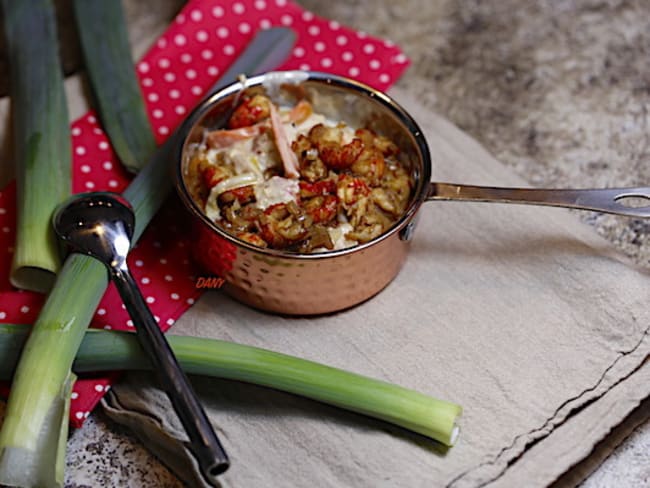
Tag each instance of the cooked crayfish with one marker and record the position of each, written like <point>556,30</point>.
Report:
<point>290,179</point>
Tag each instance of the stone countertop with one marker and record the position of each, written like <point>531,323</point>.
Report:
<point>558,91</point>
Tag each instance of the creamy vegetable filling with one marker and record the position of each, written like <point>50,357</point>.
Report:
<point>289,178</point>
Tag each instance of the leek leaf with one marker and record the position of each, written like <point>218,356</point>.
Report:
<point>42,147</point>
<point>105,46</point>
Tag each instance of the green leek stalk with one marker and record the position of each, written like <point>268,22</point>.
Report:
<point>41,138</point>
<point>103,350</point>
<point>105,46</point>
<point>43,374</point>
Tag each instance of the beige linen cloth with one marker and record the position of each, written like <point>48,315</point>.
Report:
<point>520,314</point>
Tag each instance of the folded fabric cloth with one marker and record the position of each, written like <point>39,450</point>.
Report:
<point>200,44</point>
<point>522,315</point>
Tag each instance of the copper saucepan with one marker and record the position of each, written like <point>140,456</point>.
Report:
<point>307,284</point>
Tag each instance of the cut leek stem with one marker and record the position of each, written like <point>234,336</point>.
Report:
<point>44,465</point>
<point>108,350</point>
<point>27,438</point>
<point>44,367</point>
<point>41,138</point>
<point>107,56</point>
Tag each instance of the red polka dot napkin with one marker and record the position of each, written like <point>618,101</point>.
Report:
<point>199,45</point>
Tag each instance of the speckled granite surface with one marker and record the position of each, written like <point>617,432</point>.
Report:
<point>557,90</point>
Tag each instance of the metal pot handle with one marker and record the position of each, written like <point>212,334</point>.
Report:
<point>620,201</point>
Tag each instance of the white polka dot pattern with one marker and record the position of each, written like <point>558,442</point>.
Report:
<point>184,62</point>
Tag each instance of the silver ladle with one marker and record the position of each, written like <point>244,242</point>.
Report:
<point>101,225</point>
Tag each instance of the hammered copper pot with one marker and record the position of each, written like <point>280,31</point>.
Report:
<point>307,284</point>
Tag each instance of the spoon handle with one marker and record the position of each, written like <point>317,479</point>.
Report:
<point>609,200</point>
<point>205,445</point>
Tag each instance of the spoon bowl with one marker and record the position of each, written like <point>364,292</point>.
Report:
<point>98,224</point>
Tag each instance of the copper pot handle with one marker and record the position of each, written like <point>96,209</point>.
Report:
<point>619,201</point>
